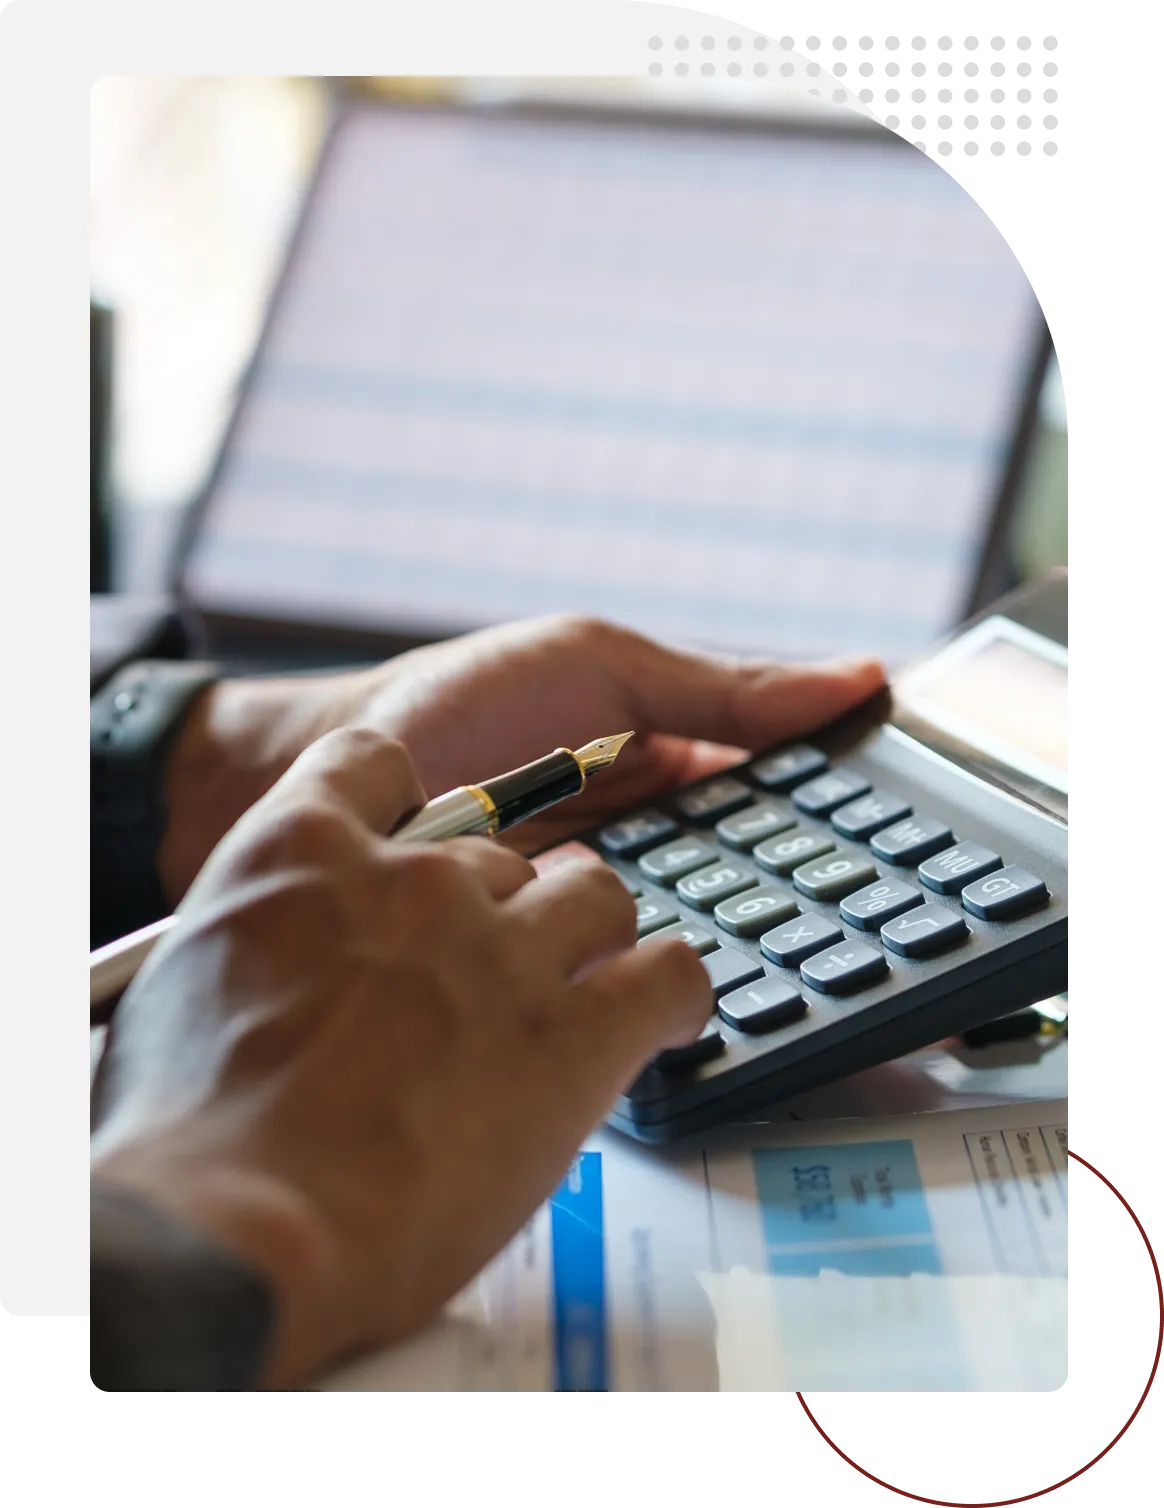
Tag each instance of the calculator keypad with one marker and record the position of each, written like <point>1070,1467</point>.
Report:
<point>850,916</point>
<point>1006,892</point>
<point>755,911</point>
<point>744,829</point>
<point>954,868</point>
<point>834,875</point>
<point>705,888</point>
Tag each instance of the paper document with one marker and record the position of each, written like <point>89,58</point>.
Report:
<point>921,1252</point>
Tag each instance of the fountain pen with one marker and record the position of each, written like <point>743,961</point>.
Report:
<point>488,808</point>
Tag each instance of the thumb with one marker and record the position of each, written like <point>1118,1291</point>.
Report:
<point>748,704</point>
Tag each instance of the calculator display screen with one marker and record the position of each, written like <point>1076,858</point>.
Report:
<point>1001,689</point>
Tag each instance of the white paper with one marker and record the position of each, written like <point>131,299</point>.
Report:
<point>919,1252</point>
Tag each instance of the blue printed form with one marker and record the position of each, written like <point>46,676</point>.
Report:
<point>579,1279</point>
<point>857,1208</point>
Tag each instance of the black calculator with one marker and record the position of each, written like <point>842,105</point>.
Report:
<point>898,877</point>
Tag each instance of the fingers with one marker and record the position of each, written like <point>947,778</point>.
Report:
<point>580,913</point>
<point>501,871</point>
<point>372,775</point>
<point>654,996</point>
<point>748,704</point>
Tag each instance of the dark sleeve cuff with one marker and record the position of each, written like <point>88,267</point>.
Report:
<point>169,1310</point>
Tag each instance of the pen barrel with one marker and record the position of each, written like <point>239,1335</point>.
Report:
<point>452,815</point>
<point>524,792</point>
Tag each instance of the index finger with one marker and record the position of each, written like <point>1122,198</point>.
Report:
<point>370,774</point>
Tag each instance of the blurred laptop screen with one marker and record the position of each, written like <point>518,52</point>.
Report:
<point>751,390</point>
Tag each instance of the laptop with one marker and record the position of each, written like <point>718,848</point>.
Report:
<point>757,386</point>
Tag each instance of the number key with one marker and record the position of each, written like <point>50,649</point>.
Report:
<point>651,915</point>
<point>834,876</point>
<point>783,853</point>
<point>755,911</point>
<point>695,937</point>
<point>705,888</point>
<point>670,863</point>
<point>878,902</point>
<point>745,829</point>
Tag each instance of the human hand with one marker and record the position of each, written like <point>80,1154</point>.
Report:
<point>484,703</point>
<point>361,1065</point>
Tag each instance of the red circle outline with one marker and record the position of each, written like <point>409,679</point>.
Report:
<point>1042,1492</point>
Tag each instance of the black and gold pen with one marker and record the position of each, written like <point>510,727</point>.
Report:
<point>488,808</point>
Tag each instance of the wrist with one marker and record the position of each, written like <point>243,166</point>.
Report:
<point>261,1222</point>
<point>238,738</point>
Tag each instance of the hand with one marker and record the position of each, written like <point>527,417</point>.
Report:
<point>362,1065</point>
<point>476,706</point>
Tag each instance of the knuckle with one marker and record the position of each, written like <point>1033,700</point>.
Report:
<point>309,833</point>
<point>432,875</point>
<point>585,628</point>
<point>680,966</point>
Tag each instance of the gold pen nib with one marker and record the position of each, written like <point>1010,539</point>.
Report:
<point>600,753</point>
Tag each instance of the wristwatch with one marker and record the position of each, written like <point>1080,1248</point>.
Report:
<point>133,721</point>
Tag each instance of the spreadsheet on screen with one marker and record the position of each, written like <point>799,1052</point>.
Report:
<point>750,390</point>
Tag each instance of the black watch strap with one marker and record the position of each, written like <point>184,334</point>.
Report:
<point>133,720</point>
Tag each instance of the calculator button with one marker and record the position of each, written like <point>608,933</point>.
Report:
<point>799,938</point>
<point>745,829</point>
<point>634,834</point>
<point>834,875</point>
<point>707,887</point>
<point>651,915</point>
<point>709,1044</point>
<point>924,930</point>
<point>763,1006</point>
<point>879,902</point>
<point>911,841</point>
<point>1006,892</point>
<point>693,935</point>
<point>860,819</point>
<point>671,862</point>
<point>783,853</point>
<point>849,966</point>
<point>755,911</point>
<point>954,868</point>
<point>788,767</point>
<point>823,795</point>
<point>728,969</point>
<point>713,799</point>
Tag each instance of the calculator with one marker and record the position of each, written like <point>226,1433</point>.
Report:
<point>899,877</point>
